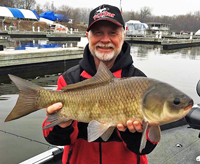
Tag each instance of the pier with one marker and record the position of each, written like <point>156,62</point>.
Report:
<point>38,62</point>
<point>176,44</point>
<point>20,57</point>
<point>144,40</point>
<point>75,36</point>
<point>168,42</point>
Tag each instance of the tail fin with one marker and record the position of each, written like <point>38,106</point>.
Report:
<point>26,102</point>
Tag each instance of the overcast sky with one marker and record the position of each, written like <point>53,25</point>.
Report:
<point>159,7</point>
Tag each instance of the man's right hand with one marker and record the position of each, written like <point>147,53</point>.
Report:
<point>55,107</point>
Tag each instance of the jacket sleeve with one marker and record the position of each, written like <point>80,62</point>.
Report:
<point>57,135</point>
<point>132,142</point>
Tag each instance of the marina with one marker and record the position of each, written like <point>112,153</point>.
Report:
<point>23,138</point>
<point>169,42</point>
<point>40,50</point>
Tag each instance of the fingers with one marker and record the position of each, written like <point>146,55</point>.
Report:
<point>55,107</point>
<point>51,109</point>
<point>133,126</point>
<point>138,126</point>
<point>121,127</point>
<point>65,124</point>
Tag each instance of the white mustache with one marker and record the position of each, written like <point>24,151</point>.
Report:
<point>109,45</point>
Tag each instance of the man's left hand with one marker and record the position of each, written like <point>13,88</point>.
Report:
<point>133,126</point>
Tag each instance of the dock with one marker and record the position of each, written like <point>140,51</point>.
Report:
<point>168,42</point>
<point>182,43</point>
<point>144,40</point>
<point>75,36</point>
<point>21,57</point>
<point>37,62</point>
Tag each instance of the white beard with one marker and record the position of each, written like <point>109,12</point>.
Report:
<point>105,56</point>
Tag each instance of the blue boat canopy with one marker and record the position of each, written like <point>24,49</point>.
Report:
<point>51,16</point>
<point>48,15</point>
<point>18,13</point>
<point>62,18</point>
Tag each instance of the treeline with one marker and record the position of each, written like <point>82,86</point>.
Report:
<point>190,22</point>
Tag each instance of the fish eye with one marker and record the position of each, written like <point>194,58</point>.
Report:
<point>177,101</point>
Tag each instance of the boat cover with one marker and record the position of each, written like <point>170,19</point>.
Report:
<point>18,13</point>
<point>51,16</point>
<point>48,15</point>
<point>62,17</point>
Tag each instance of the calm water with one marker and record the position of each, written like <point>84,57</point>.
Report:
<point>22,44</point>
<point>22,139</point>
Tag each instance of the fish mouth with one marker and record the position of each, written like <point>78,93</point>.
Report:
<point>190,104</point>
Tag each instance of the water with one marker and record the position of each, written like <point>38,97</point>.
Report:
<point>22,139</point>
<point>22,44</point>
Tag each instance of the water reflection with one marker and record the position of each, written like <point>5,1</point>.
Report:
<point>36,70</point>
<point>47,80</point>
<point>142,51</point>
<point>26,43</point>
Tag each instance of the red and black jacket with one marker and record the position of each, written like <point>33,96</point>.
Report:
<point>122,147</point>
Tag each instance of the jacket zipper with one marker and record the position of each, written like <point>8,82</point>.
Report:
<point>100,153</point>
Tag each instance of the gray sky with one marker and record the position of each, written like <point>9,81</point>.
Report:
<point>159,7</point>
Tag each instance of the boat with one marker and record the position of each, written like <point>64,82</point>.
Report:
<point>52,156</point>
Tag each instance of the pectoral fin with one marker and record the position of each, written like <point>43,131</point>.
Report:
<point>105,136</point>
<point>154,133</point>
<point>96,129</point>
<point>143,139</point>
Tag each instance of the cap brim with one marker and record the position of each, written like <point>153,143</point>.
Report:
<point>105,19</point>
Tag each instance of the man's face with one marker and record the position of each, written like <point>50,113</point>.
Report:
<point>105,40</point>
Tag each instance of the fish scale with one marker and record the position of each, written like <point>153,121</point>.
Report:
<point>100,105</point>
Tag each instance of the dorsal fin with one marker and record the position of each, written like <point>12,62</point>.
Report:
<point>103,75</point>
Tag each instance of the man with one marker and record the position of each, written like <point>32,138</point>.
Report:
<point>106,36</point>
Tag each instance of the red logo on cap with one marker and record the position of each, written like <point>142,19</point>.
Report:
<point>102,13</point>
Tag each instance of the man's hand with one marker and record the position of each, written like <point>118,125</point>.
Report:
<point>133,126</point>
<point>55,107</point>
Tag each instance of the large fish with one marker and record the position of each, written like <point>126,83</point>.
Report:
<point>104,101</point>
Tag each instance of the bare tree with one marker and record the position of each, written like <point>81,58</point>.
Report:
<point>76,16</point>
<point>65,10</point>
<point>25,4</point>
<point>38,9</point>
<point>8,3</point>
<point>145,12</point>
<point>47,7</point>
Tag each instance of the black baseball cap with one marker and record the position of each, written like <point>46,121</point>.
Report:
<point>106,12</point>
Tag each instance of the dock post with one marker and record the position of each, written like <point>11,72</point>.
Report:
<point>160,36</point>
<point>1,47</point>
<point>191,34</point>
<point>157,34</point>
